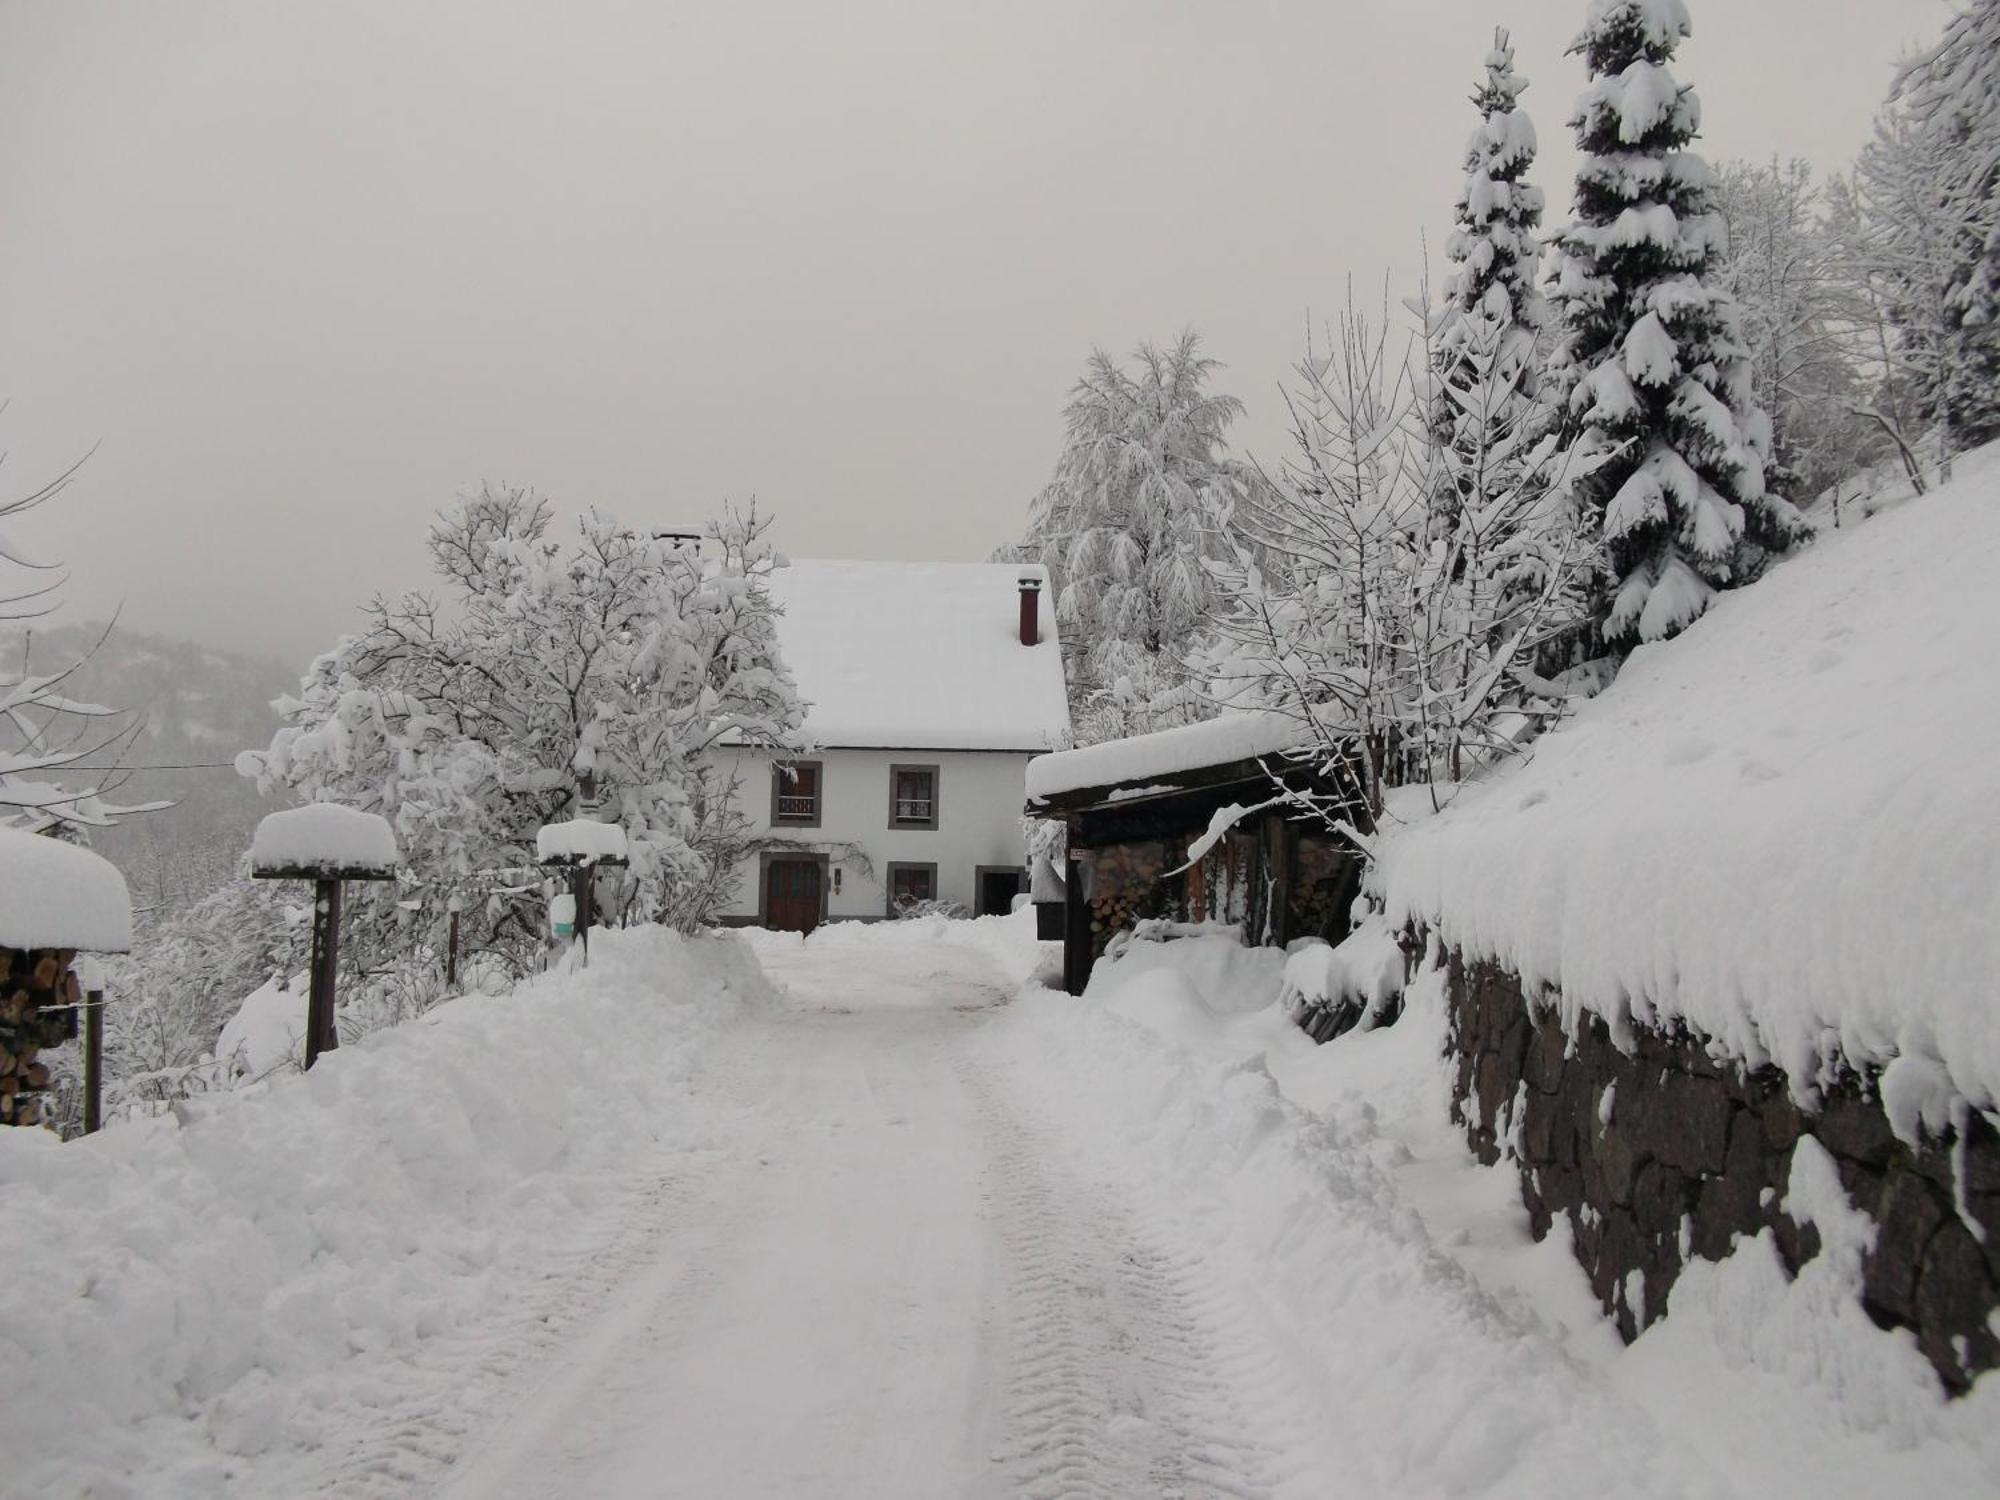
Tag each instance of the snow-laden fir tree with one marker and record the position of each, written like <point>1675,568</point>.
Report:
<point>1493,311</point>
<point>1494,244</point>
<point>1142,496</point>
<point>1661,384</point>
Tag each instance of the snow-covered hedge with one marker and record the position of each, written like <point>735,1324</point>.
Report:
<point>1779,828</point>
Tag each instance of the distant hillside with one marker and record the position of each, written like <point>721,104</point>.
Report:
<point>199,706</point>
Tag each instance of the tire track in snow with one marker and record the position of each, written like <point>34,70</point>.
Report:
<point>1126,1372</point>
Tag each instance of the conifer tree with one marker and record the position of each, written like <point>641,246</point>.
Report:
<point>1494,312</point>
<point>1493,241</point>
<point>1659,377</point>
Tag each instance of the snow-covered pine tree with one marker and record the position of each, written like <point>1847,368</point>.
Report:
<point>1142,497</point>
<point>1496,259</point>
<point>1493,243</point>
<point>1659,375</point>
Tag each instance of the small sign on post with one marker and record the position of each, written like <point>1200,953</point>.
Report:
<point>582,847</point>
<point>325,843</point>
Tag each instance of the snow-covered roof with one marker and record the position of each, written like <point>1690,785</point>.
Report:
<point>921,656</point>
<point>323,836</point>
<point>55,895</point>
<point>1165,753</point>
<point>1782,828</point>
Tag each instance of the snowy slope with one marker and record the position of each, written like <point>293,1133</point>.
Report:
<point>1782,827</point>
<point>920,656</point>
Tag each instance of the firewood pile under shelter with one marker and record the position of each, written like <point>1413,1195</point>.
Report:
<point>1132,809</point>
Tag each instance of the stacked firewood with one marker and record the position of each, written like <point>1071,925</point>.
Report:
<point>1125,888</point>
<point>39,994</point>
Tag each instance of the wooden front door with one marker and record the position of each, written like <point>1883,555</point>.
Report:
<point>792,895</point>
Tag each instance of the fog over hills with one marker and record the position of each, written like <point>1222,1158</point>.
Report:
<point>194,708</point>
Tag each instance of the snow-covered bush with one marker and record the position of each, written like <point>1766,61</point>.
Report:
<point>1398,584</point>
<point>58,754</point>
<point>556,681</point>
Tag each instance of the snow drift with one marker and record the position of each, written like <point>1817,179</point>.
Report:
<point>223,1277</point>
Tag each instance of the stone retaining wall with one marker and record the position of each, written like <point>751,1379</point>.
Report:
<point>1665,1152</point>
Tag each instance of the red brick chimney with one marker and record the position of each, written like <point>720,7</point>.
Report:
<point>1031,602</point>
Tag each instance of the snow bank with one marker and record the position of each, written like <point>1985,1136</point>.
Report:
<point>1779,828</point>
<point>1435,1347</point>
<point>55,895</point>
<point>323,836</point>
<point>1165,753</point>
<point>278,1269</point>
<point>920,655</point>
<point>582,841</point>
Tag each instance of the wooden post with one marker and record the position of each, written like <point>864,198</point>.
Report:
<point>583,882</point>
<point>321,1034</point>
<point>451,953</point>
<point>93,1061</point>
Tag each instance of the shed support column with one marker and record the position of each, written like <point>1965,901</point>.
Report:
<point>321,1035</point>
<point>1076,931</point>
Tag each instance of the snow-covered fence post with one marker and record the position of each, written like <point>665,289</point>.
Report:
<point>582,847</point>
<point>56,900</point>
<point>325,843</point>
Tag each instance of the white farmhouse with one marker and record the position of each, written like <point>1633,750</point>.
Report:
<point>931,686</point>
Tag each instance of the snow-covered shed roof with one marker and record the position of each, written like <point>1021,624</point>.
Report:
<point>1781,828</point>
<point>1165,753</point>
<point>55,895</point>
<point>921,655</point>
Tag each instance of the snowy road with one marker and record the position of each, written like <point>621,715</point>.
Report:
<point>878,1284</point>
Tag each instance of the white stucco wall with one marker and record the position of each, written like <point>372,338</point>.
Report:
<point>980,795</point>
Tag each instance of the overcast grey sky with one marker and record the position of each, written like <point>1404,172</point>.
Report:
<point>308,270</point>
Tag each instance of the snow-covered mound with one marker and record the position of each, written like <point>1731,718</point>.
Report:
<point>1782,827</point>
<point>55,895</point>
<point>261,1270</point>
